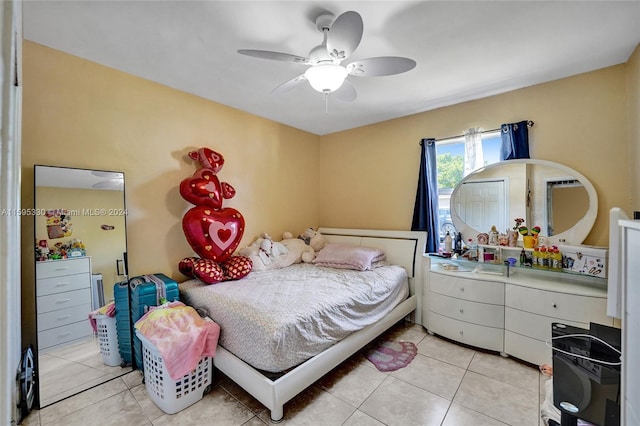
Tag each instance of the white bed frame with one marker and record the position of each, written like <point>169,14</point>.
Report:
<point>404,248</point>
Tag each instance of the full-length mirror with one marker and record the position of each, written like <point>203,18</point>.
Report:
<point>558,199</point>
<point>80,230</point>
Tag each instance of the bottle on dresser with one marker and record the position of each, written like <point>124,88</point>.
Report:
<point>448,243</point>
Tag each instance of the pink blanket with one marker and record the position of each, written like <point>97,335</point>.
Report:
<point>109,310</point>
<point>180,335</point>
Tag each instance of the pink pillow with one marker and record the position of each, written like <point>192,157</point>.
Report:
<point>344,256</point>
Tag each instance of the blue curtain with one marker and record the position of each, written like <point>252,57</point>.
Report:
<point>515,140</point>
<point>425,211</point>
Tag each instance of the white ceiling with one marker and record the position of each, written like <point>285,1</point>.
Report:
<point>464,50</point>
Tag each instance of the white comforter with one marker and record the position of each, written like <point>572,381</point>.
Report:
<point>276,319</point>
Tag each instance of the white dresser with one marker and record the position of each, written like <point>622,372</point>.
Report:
<point>511,315</point>
<point>465,310</point>
<point>63,289</point>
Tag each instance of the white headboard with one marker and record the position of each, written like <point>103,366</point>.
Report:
<point>404,248</point>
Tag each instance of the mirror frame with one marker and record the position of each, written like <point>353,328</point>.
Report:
<point>573,235</point>
<point>98,179</point>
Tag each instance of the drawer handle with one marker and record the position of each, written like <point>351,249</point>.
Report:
<point>63,318</point>
<point>62,268</point>
<point>63,300</point>
<point>62,284</point>
<point>462,289</point>
<point>461,311</point>
<point>461,332</point>
<point>60,336</point>
<point>555,306</point>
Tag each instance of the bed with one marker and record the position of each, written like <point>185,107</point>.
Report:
<point>282,366</point>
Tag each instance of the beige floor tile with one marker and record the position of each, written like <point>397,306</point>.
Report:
<point>446,351</point>
<point>67,370</point>
<point>217,407</point>
<point>352,381</point>
<point>133,378</point>
<point>462,416</point>
<point>149,408</point>
<point>117,410</point>
<point>238,393</point>
<point>432,375</point>
<point>406,332</point>
<point>506,370</point>
<point>396,402</point>
<point>32,419</point>
<point>312,407</point>
<point>359,418</point>
<point>493,390</point>
<point>255,421</point>
<point>508,403</point>
<point>80,401</point>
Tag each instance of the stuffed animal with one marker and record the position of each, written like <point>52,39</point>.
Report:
<point>313,238</point>
<point>300,250</point>
<point>268,254</point>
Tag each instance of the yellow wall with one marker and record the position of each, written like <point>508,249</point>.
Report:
<point>633,115</point>
<point>580,121</point>
<point>80,114</point>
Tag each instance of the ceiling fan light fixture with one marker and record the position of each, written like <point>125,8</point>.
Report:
<point>325,78</point>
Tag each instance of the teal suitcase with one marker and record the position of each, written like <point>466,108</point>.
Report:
<point>149,291</point>
<point>123,321</point>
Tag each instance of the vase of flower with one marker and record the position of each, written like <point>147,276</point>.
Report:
<point>529,241</point>
<point>513,237</point>
<point>529,236</point>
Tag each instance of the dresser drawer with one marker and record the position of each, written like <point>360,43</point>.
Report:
<point>64,300</point>
<point>526,348</point>
<point>64,334</point>
<point>475,335</point>
<point>466,310</point>
<point>535,326</point>
<point>54,285</point>
<point>469,289</point>
<point>57,268</point>
<point>62,317</point>
<point>563,306</point>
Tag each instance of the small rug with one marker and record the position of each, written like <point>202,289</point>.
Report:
<point>391,355</point>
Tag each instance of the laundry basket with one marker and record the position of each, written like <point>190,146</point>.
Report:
<point>108,340</point>
<point>171,395</point>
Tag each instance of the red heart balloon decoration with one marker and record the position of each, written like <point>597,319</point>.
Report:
<point>213,234</point>
<point>203,189</point>
<point>228,191</point>
<point>208,271</point>
<point>208,159</point>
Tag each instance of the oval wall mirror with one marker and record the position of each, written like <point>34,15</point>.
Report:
<point>558,199</point>
<point>81,245</point>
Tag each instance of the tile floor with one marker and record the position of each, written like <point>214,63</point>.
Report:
<point>73,368</point>
<point>445,385</point>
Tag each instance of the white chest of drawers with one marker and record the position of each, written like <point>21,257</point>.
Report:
<point>511,315</point>
<point>465,310</point>
<point>63,289</point>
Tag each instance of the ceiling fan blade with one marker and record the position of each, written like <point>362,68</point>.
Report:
<point>274,56</point>
<point>345,35</point>
<point>346,92</point>
<point>380,66</point>
<point>108,184</point>
<point>288,85</point>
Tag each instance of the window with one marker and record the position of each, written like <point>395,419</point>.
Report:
<point>450,165</point>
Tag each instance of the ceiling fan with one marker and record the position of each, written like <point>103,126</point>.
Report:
<point>111,180</point>
<point>326,74</point>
